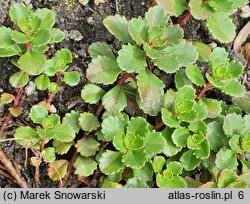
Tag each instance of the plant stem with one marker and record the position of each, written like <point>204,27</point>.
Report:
<point>52,95</point>
<point>158,125</point>
<point>28,46</point>
<point>204,90</point>
<point>123,78</point>
<point>184,19</point>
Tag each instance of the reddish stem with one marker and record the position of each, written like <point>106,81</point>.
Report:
<point>17,97</point>
<point>123,78</point>
<point>159,125</point>
<point>204,90</point>
<point>28,46</point>
<point>184,19</point>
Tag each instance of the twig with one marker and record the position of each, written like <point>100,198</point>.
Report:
<point>11,169</point>
<point>6,175</point>
<point>204,90</point>
<point>159,125</point>
<point>184,19</point>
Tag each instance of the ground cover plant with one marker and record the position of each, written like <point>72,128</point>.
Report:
<point>137,132</point>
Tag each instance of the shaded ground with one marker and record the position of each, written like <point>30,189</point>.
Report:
<point>83,25</point>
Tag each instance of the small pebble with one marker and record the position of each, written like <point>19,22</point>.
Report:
<point>84,2</point>
<point>30,88</point>
<point>245,12</point>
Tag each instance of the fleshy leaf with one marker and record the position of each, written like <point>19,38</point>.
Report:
<point>189,160</point>
<point>243,102</point>
<point>87,146</point>
<point>72,119</point>
<point>136,183</point>
<point>19,79</point>
<point>199,9</point>
<point>84,166</point>
<point>51,121</point>
<point>213,106</point>
<point>53,87</point>
<point>92,93</point>
<point>71,78</point>
<point>203,50</point>
<point>226,159</point>
<point>180,136</point>
<point>103,70</point>
<point>137,59</point>
<point>38,113</point>
<point>221,27</point>
<point>88,122</point>
<point>26,136</point>
<point>154,143</point>
<point>58,169</point>
<point>133,141</point>
<point>176,58</point>
<point>5,37</point>
<point>32,62</point>
<point>158,163</point>
<point>170,148</point>
<point>47,18</point>
<point>42,82</point>
<point>118,142</point>
<point>6,98</point>
<point>49,154</point>
<point>115,100</point>
<point>226,177</point>
<point>118,26</point>
<point>134,159</point>
<point>56,35</point>
<point>19,10</point>
<point>20,38</point>
<point>194,74</point>
<point>163,181</point>
<point>138,126</point>
<point>62,147</point>
<point>169,119</point>
<point>100,49</point>
<point>151,92</point>
<point>138,30</point>
<point>173,7</point>
<point>233,125</point>
<point>234,89</point>
<point>145,173</point>
<point>111,162</point>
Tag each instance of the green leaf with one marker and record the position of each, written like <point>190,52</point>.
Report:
<point>53,87</point>
<point>56,35</point>
<point>138,30</point>
<point>216,137</point>
<point>118,26</point>
<point>233,125</point>
<point>58,169</point>
<point>181,79</point>
<point>38,113</point>
<point>226,159</point>
<point>11,51</point>
<point>62,133</point>
<point>204,150</point>
<point>51,121</point>
<point>134,159</point>
<point>189,160</point>
<point>243,102</point>
<point>226,177</point>
<point>71,78</point>
<point>118,142</point>
<point>133,141</point>
<point>180,136</point>
<point>40,38</point>
<point>163,181</point>
<point>169,119</point>
<point>111,162</point>
<point>173,7</point>
<point>200,9</point>
<point>92,93</point>
<point>175,167</point>
<point>20,38</point>
<point>235,68</point>
<point>198,127</point>
<point>47,18</point>
<point>138,126</point>
<point>30,25</point>
<point>115,100</point>
<point>6,98</point>
<point>19,10</point>
<point>112,126</point>
<point>103,70</point>
<point>176,58</point>
<point>158,163</point>
<point>32,62</point>
<point>88,122</point>
<point>87,146</point>
<point>5,38</point>
<point>72,119</point>
<point>169,100</point>
<point>221,27</point>
<point>234,89</point>
<point>62,147</point>
<point>49,154</point>
<point>170,148</point>
<point>137,59</point>
<point>136,183</point>
<point>145,173</point>
<point>109,184</point>
<point>84,166</point>
<point>218,57</point>
<point>26,136</point>
<point>19,79</point>
<point>154,143</point>
<point>63,57</point>
<point>173,34</point>
<point>203,50</point>
<point>101,49</point>
<point>151,92</point>
<point>194,74</point>
<point>156,17</point>
<point>42,82</point>
<point>224,7</point>
<point>234,144</point>
<point>213,106</point>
